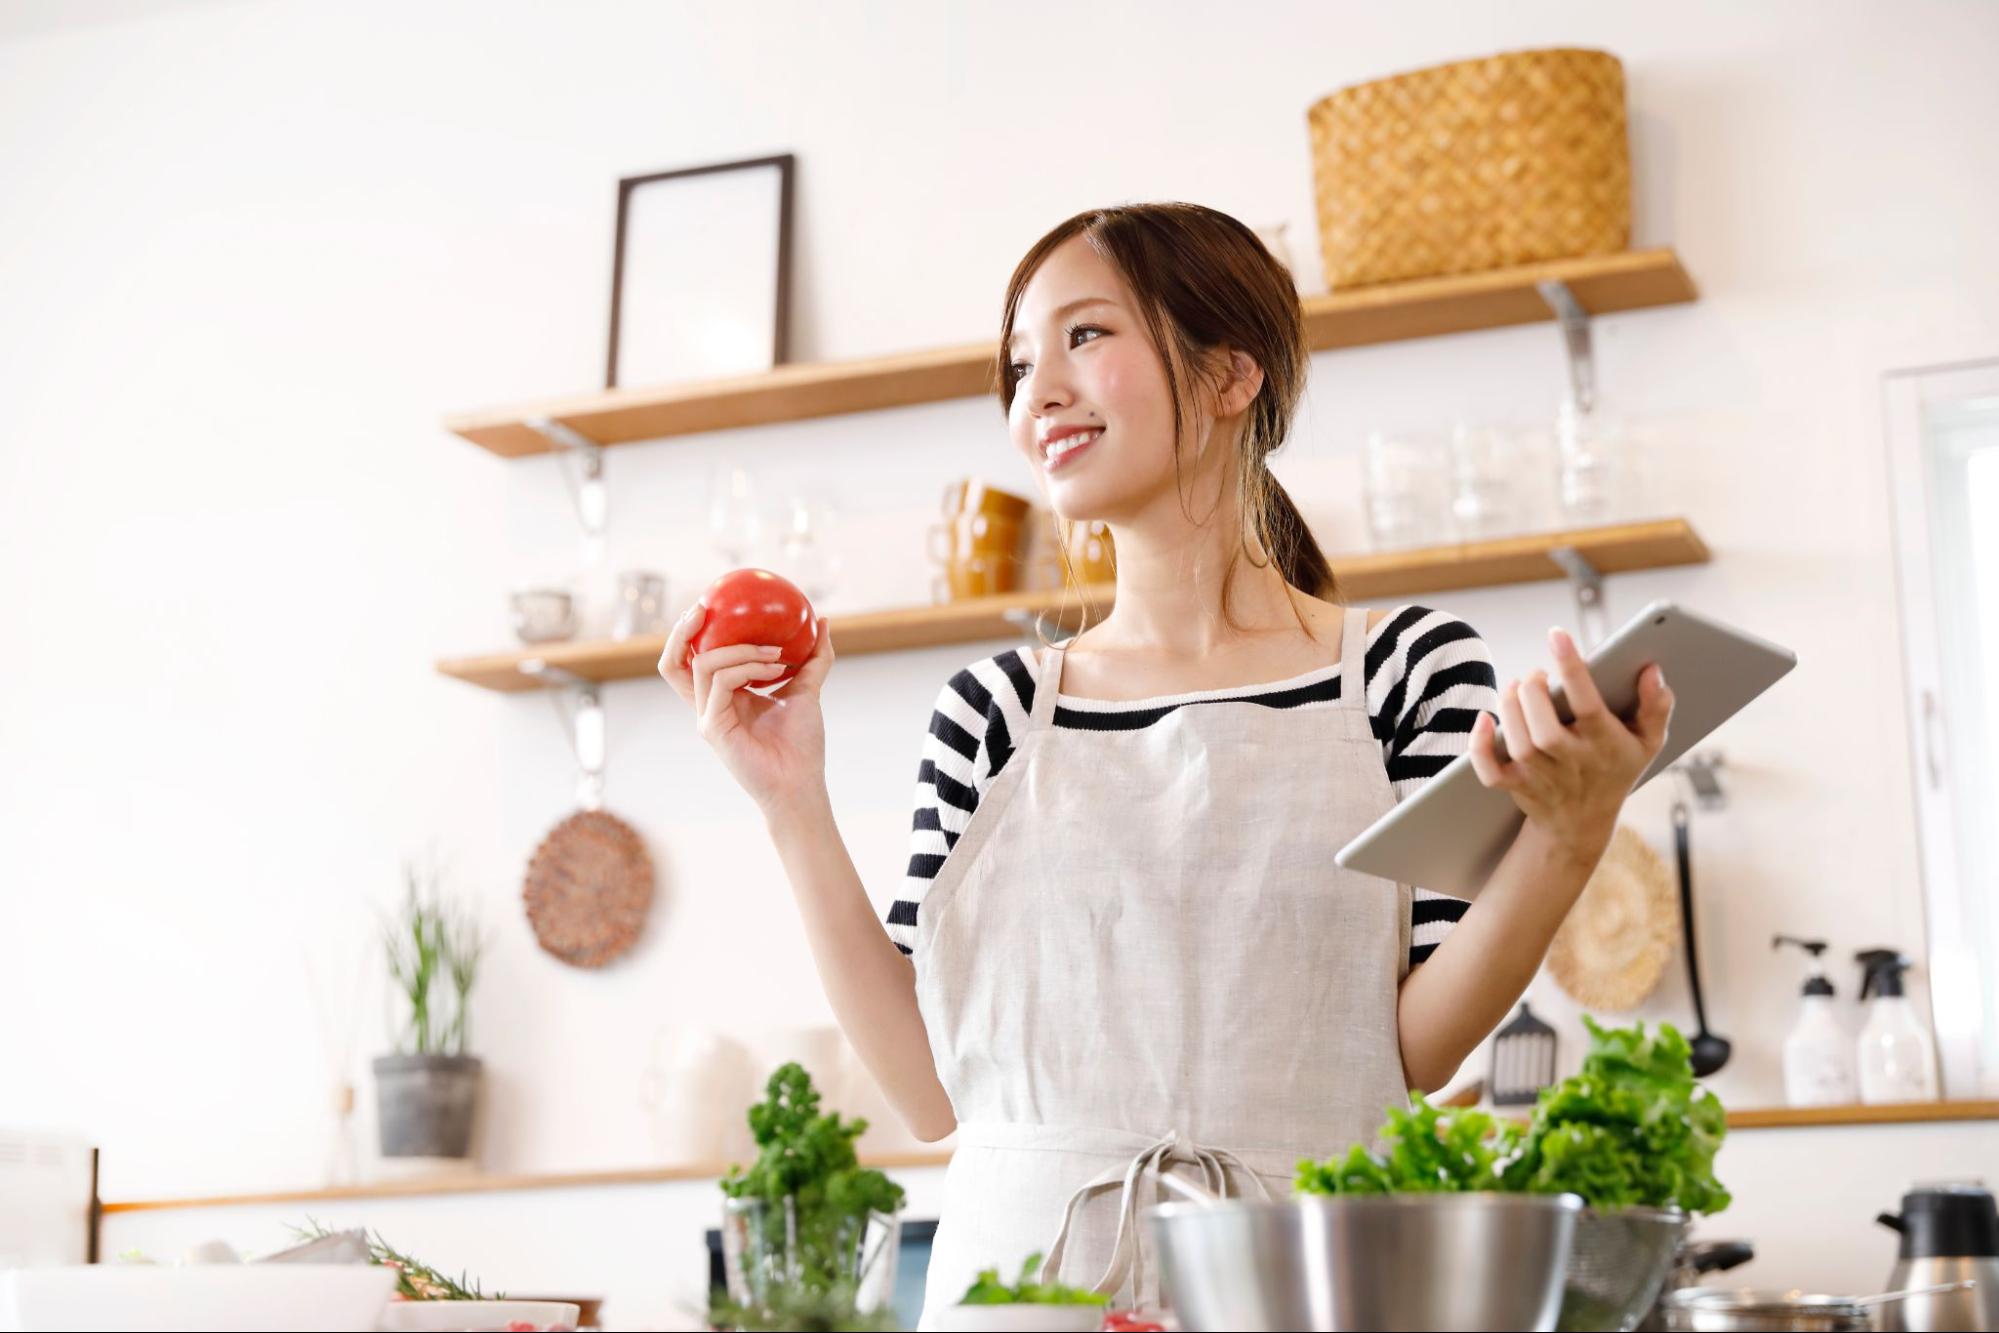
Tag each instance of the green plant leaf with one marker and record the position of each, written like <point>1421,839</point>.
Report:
<point>1630,1128</point>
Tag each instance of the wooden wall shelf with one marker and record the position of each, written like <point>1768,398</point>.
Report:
<point>1629,280</point>
<point>1778,1118</point>
<point>1613,550</point>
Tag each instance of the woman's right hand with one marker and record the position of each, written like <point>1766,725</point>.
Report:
<point>774,745</point>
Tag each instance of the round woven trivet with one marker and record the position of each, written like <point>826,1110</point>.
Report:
<point>1614,946</point>
<point>588,888</point>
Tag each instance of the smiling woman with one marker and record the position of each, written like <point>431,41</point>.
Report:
<point>1124,947</point>
<point>1176,300</point>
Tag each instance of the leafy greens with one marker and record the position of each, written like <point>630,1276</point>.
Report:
<point>989,1290</point>
<point>1631,1128</point>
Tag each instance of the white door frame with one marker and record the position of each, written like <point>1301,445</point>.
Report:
<point>1956,980</point>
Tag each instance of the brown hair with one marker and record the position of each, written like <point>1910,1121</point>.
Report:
<point>1205,282</point>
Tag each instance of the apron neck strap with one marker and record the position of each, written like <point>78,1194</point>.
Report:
<point>1049,685</point>
<point>1353,659</point>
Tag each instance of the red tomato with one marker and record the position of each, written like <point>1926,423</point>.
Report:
<point>756,606</point>
<point>1130,1321</point>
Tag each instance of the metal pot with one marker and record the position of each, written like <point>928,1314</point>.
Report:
<point>1407,1261</point>
<point>1694,1260</point>
<point>1695,1309</point>
<point>1701,1309</point>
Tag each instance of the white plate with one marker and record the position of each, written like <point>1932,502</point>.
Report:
<point>1026,1318</point>
<point>456,1316</point>
<point>339,1298</point>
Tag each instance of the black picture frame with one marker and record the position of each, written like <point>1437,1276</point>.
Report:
<point>700,195</point>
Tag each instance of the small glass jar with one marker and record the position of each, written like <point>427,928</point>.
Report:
<point>543,615</point>
<point>1486,491</point>
<point>1407,490</point>
<point>641,605</point>
<point>1594,480</point>
<point>765,1248</point>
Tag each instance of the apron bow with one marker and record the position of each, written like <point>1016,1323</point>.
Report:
<point>1174,1148</point>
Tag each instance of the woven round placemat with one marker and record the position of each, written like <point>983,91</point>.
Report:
<point>589,886</point>
<point>1615,943</point>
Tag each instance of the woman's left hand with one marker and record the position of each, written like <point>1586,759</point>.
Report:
<point>1571,779</point>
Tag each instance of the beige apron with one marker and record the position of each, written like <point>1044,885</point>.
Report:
<point>1139,957</point>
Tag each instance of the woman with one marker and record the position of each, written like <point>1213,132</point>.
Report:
<point>1123,946</point>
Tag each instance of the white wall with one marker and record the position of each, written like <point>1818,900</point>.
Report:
<point>254,252</point>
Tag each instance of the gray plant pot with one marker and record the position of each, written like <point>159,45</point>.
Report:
<point>426,1104</point>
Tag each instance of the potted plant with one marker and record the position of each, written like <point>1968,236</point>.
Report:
<point>427,1090</point>
<point>809,1235</point>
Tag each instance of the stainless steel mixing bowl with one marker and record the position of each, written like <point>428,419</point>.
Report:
<point>1407,1261</point>
<point>1618,1261</point>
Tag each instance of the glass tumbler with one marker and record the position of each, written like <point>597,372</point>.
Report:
<point>641,605</point>
<point>1486,486</point>
<point>1593,469</point>
<point>766,1249</point>
<point>1406,485</point>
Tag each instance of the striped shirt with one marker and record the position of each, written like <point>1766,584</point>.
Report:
<point>1429,675</point>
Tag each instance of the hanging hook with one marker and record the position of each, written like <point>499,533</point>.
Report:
<point>579,704</point>
<point>1699,771</point>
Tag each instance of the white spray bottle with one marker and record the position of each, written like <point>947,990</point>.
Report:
<point>1898,1061</point>
<point>1818,1054</point>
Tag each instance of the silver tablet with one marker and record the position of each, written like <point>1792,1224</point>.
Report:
<point>1450,835</point>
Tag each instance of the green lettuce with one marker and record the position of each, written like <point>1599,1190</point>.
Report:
<point>1631,1128</point>
<point>1430,1150</point>
<point>989,1290</point>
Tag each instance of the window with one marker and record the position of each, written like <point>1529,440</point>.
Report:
<point>1943,447</point>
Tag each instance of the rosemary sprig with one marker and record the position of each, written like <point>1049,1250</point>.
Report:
<point>415,1280</point>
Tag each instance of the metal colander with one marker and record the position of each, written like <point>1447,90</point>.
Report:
<point>1617,1262</point>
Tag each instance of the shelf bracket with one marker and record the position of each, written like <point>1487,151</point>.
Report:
<point>1574,320</point>
<point>579,703</point>
<point>1586,582</point>
<point>1699,770</point>
<point>582,462</point>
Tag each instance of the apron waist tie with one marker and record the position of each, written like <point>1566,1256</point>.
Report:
<point>1156,1159</point>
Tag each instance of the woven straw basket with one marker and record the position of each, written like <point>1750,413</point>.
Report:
<point>1481,164</point>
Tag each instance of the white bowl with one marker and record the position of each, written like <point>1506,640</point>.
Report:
<point>457,1316</point>
<point>226,1298</point>
<point>1025,1317</point>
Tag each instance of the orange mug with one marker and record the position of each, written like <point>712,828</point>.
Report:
<point>969,495</point>
<point>974,534</point>
<point>1090,553</point>
<point>975,576</point>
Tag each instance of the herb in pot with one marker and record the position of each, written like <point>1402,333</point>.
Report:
<point>802,1310</point>
<point>989,1290</point>
<point>432,943</point>
<point>814,1196</point>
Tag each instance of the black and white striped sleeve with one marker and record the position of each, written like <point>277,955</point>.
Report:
<point>979,713</point>
<point>1429,676</point>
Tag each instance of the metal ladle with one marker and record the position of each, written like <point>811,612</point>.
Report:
<point>1708,1051</point>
